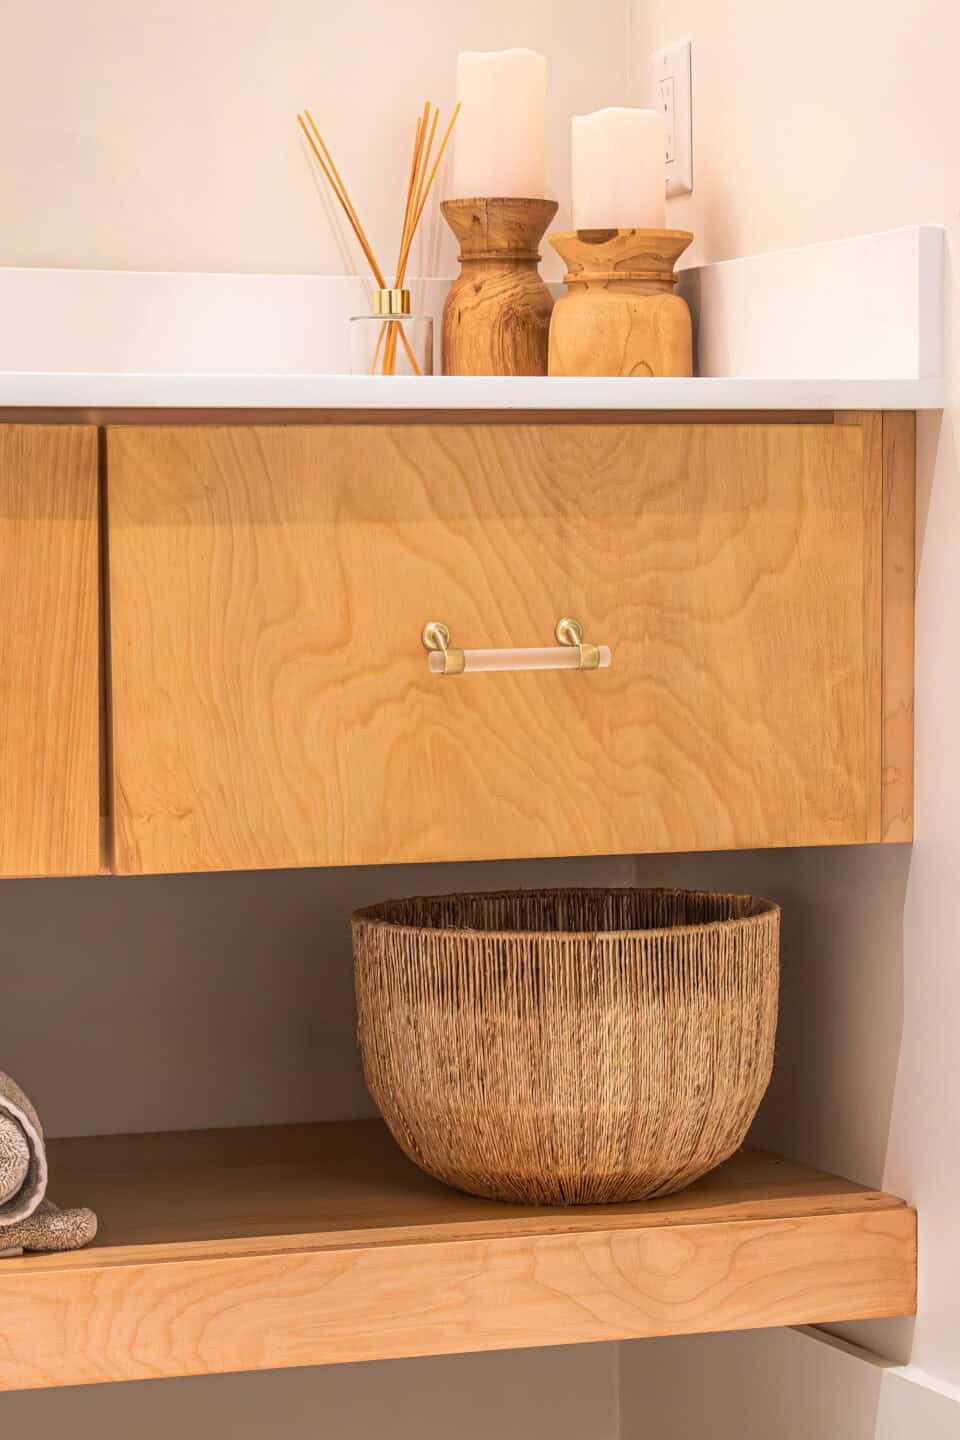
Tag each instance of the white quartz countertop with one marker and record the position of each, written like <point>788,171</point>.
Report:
<point>864,314</point>
<point>92,391</point>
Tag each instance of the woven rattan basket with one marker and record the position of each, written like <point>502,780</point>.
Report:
<point>568,1046</point>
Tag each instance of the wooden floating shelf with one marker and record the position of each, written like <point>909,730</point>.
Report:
<point>305,1245</point>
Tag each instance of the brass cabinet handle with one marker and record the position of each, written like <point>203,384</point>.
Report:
<point>569,653</point>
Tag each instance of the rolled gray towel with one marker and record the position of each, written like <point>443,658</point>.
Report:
<point>23,1157</point>
<point>28,1220</point>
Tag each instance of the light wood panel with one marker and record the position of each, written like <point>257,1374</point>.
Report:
<point>272,704</point>
<point>871,429</point>
<point>316,1244</point>
<point>49,651</point>
<point>899,512</point>
<point>889,594</point>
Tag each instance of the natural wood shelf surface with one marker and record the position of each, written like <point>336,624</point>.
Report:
<point>302,1245</point>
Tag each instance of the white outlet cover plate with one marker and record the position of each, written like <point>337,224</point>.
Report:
<point>671,71</point>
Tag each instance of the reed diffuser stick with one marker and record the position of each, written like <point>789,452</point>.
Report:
<point>340,191</point>
<point>433,176</point>
<point>424,166</point>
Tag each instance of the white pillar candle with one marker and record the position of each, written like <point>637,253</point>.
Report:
<point>618,177</point>
<point>498,140</point>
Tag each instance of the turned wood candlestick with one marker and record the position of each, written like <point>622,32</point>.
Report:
<point>620,315</point>
<point>496,317</point>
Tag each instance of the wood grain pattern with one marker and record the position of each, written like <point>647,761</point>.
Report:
<point>889,566</point>
<point>620,315</point>
<point>318,1244</point>
<point>871,427</point>
<point>272,704</point>
<point>228,1192</point>
<point>899,511</point>
<point>496,317</point>
<point>49,651</point>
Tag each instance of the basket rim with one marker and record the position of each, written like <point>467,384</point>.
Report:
<point>368,915</point>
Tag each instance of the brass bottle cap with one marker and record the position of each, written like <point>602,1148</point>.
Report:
<point>391,302</point>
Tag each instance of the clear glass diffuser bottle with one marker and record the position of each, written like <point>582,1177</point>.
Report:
<point>391,341</point>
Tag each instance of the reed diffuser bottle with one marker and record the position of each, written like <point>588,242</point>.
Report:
<point>391,341</point>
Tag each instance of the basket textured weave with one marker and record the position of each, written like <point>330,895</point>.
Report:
<point>558,1047</point>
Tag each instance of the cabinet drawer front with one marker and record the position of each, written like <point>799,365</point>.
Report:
<point>272,702</point>
<point>49,651</point>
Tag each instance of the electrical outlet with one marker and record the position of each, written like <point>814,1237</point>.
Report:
<point>671,68</point>
<point>667,99</point>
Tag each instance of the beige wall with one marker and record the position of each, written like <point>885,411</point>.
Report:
<point>568,1394</point>
<point>776,1385</point>
<point>814,1390</point>
<point>161,134</point>
<point>814,121</point>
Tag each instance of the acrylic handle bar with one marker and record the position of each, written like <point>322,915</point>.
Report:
<point>544,657</point>
<point>569,653</point>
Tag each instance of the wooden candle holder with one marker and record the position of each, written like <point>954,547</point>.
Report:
<point>620,315</point>
<point>496,317</point>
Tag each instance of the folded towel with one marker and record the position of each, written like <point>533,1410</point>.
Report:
<point>28,1220</point>
<point>23,1159</point>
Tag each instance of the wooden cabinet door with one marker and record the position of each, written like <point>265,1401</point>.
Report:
<point>49,651</point>
<point>272,703</point>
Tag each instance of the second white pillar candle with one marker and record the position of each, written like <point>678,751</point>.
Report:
<point>617,164</point>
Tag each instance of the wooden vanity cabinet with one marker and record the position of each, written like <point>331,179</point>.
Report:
<point>272,703</point>
<point>49,651</point>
